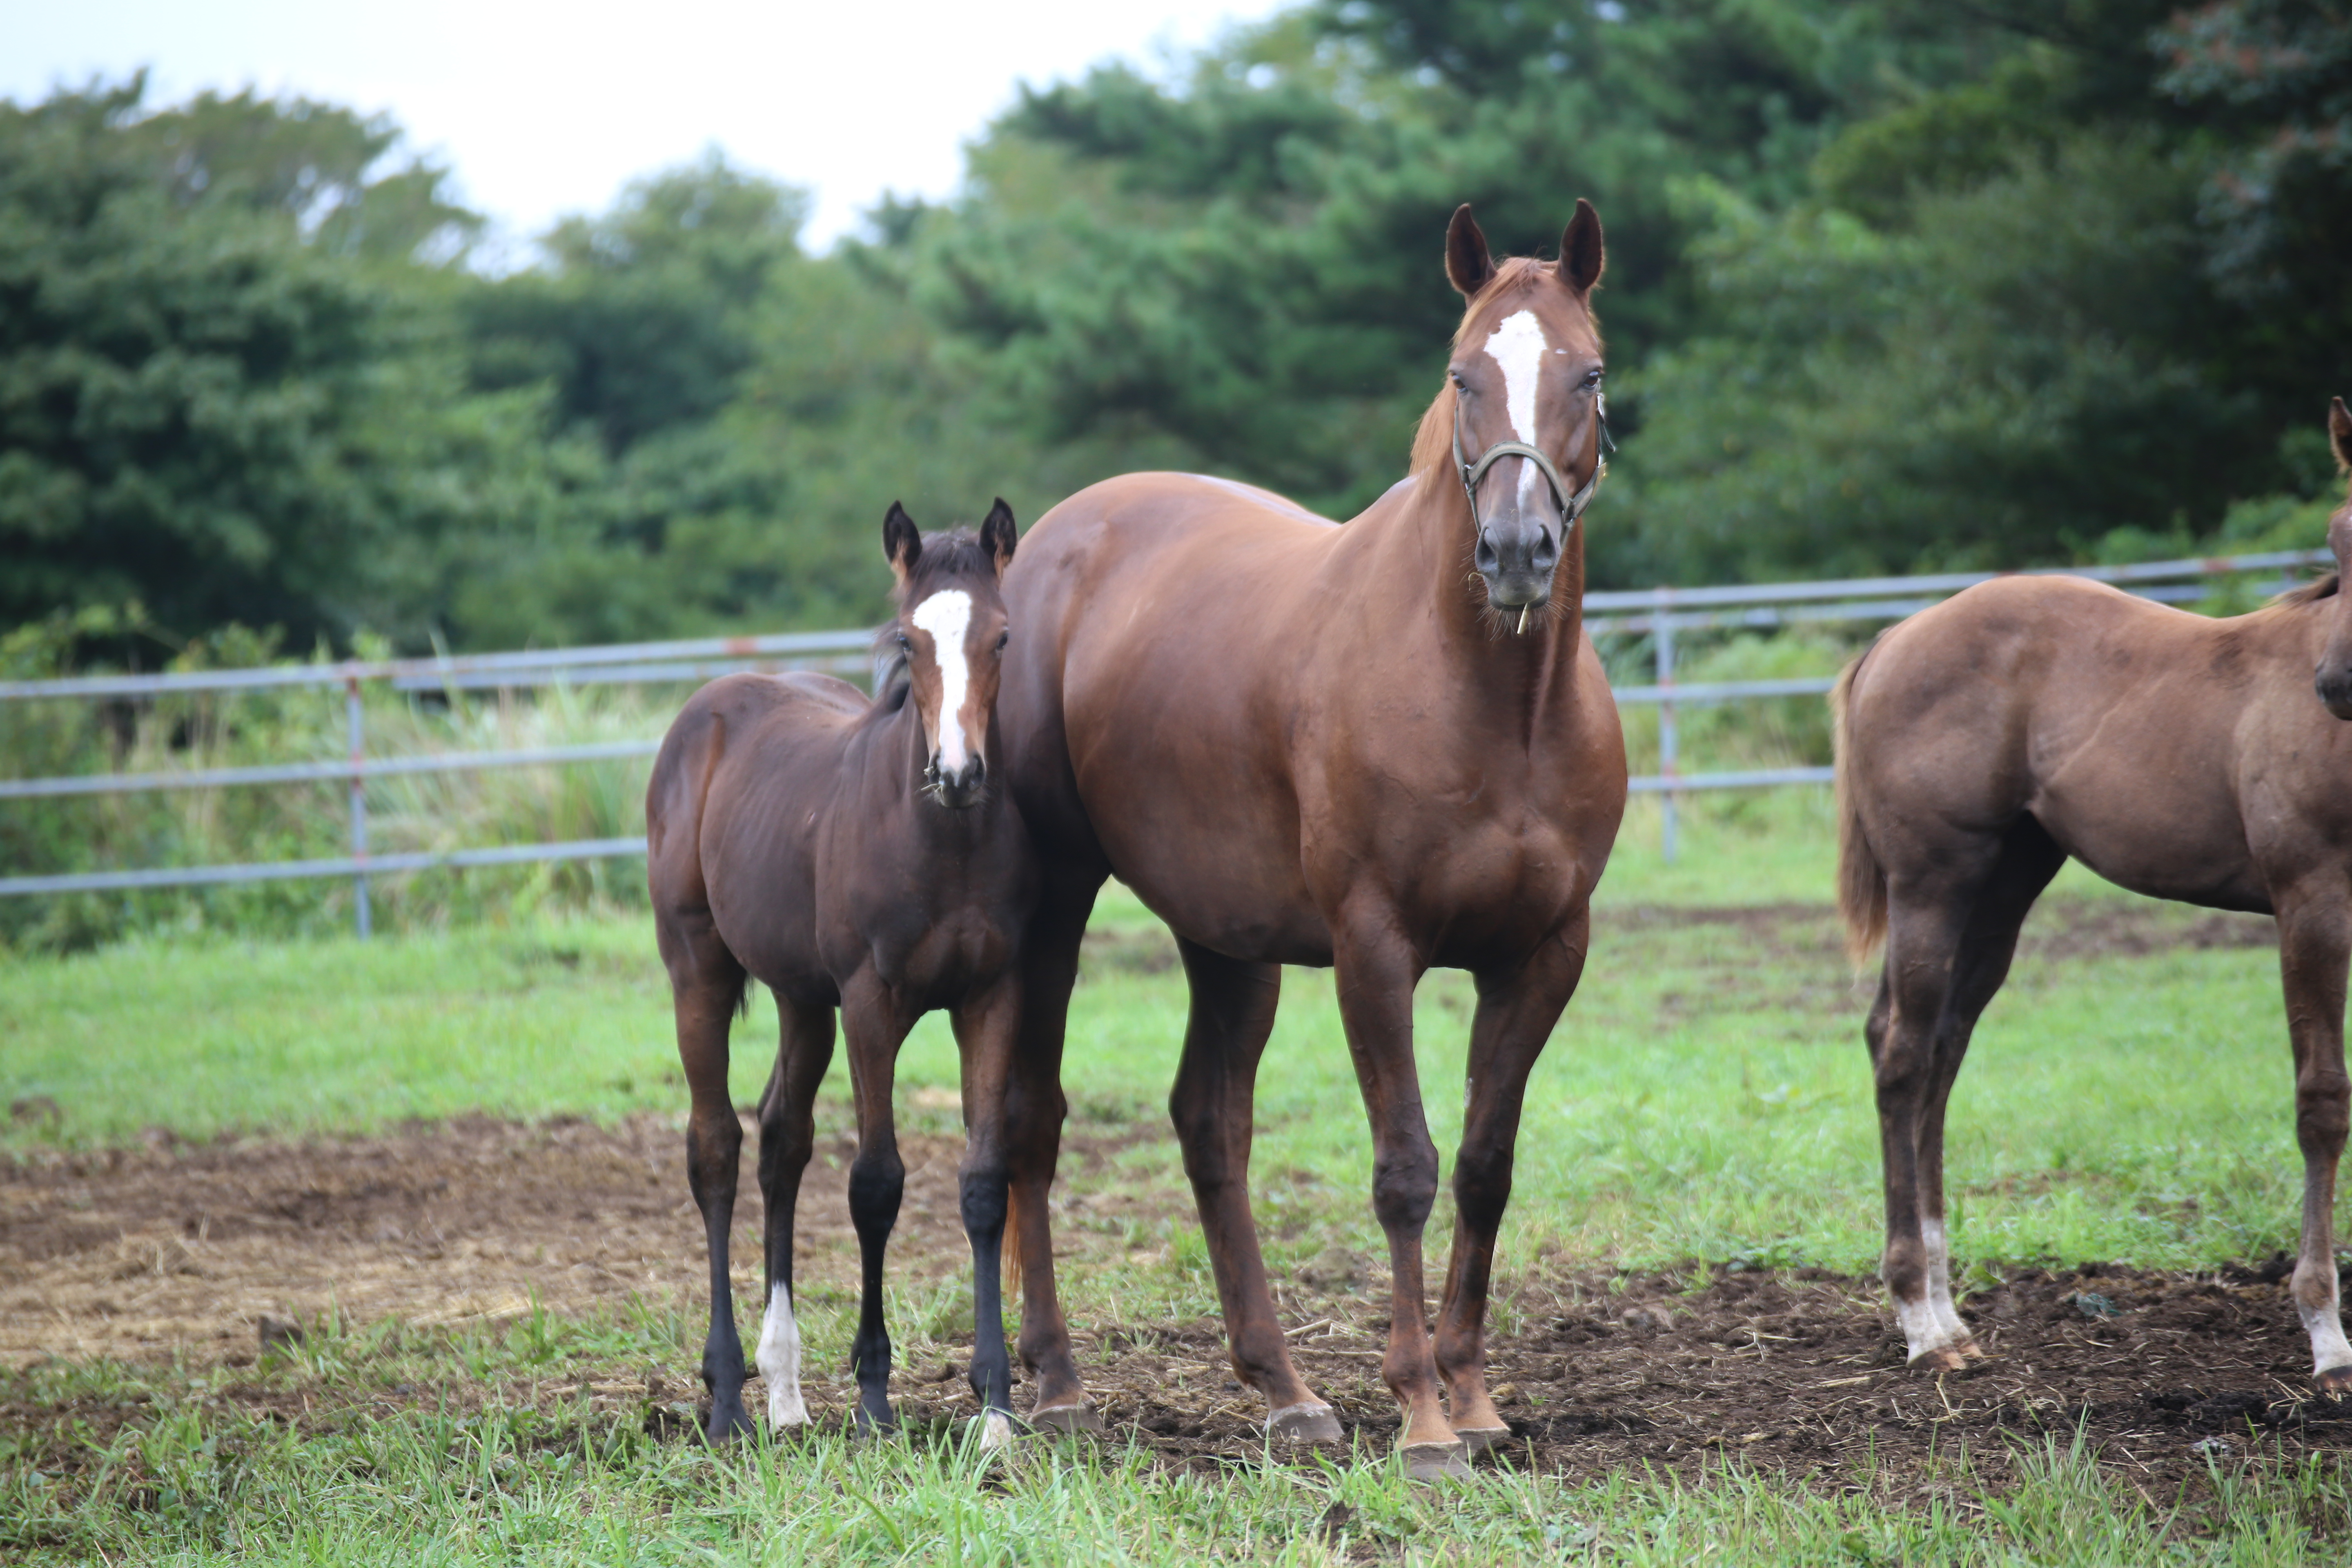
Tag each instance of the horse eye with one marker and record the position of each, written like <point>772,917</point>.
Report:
<point>1591,379</point>
<point>904,643</point>
<point>1002,639</point>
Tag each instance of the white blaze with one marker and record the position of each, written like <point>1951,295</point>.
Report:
<point>779,1361</point>
<point>947,615</point>
<point>1517,347</point>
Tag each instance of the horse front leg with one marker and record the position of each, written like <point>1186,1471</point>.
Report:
<point>1375,970</point>
<point>2315,937</point>
<point>1517,1013</point>
<point>987,1028</point>
<point>787,1137</point>
<point>876,1025</point>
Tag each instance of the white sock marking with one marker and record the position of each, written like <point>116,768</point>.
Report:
<point>947,615</point>
<point>1921,1332</point>
<point>2326,1327</point>
<point>779,1361</point>
<point>1940,1282</point>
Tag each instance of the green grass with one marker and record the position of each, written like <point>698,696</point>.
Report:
<point>169,1467</point>
<point>1706,1097</point>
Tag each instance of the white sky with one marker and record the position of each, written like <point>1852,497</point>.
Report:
<point>545,109</point>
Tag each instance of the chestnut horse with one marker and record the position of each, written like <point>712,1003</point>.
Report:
<point>849,854</point>
<point>1382,747</point>
<point>1984,741</point>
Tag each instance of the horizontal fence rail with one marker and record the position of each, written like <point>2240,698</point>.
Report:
<point>1658,614</point>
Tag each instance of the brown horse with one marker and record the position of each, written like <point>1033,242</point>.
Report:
<point>1984,741</point>
<point>1382,747</point>
<point>849,854</point>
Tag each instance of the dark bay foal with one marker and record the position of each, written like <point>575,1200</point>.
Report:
<point>1983,741</point>
<point>853,855</point>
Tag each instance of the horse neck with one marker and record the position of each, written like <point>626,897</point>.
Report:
<point>1430,538</point>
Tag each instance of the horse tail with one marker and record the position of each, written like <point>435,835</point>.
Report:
<point>1862,881</point>
<point>1016,1278</point>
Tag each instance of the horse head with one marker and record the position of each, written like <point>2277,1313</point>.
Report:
<point>1528,416</point>
<point>951,631</point>
<point>2332,681</point>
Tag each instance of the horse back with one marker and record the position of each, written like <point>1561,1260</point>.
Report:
<point>2136,734</point>
<point>744,776</point>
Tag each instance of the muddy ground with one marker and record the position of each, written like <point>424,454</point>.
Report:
<point>171,1250</point>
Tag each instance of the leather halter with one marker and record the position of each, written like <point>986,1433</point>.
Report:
<point>1571,505</point>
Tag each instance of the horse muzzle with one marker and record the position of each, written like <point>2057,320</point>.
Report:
<point>2334,685</point>
<point>958,789</point>
<point>1517,559</point>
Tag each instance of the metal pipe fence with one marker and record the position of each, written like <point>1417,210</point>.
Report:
<point>1658,614</point>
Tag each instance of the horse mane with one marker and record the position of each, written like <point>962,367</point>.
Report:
<point>1433,442</point>
<point>950,554</point>
<point>2310,593</point>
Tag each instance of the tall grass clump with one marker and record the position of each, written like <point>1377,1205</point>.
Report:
<point>183,733</point>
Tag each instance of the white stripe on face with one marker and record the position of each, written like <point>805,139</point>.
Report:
<point>947,615</point>
<point>1517,347</point>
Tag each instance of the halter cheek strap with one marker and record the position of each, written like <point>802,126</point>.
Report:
<point>1571,504</point>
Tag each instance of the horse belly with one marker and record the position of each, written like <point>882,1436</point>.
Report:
<point>2151,809</point>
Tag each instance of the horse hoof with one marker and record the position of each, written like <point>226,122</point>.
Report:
<point>1478,1439</point>
<point>1432,1462</point>
<point>1067,1420</point>
<point>1940,1361</point>
<point>995,1431</point>
<point>1304,1424</point>
<point>727,1422</point>
<point>2335,1379</point>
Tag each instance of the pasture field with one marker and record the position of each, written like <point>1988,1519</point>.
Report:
<point>453,1160</point>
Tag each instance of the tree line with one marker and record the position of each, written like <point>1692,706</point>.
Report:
<point>1893,285</point>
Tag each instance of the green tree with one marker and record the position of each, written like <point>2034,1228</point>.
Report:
<point>199,408</point>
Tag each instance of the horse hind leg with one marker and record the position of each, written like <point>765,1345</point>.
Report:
<point>707,984</point>
<point>1927,924</point>
<point>787,1137</point>
<point>2315,938</point>
<point>2029,858</point>
<point>1213,1104</point>
<point>1034,1108</point>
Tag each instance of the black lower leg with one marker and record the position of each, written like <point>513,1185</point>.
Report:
<point>985,1205</point>
<point>710,1158</point>
<point>877,1180</point>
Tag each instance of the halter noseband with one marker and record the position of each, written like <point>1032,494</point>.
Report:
<point>1571,506</point>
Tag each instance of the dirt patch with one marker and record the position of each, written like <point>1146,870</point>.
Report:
<point>183,1250</point>
<point>1802,1374</point>
<point>2060,929</point>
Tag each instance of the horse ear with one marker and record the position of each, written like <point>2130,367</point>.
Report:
<point>901,541</point>
<point>2339,432</point>
<point>1468,266</point>
<point>997,534</point>
<point>1580,248</point>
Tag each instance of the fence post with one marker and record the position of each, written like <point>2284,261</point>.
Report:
<point>1662,626</point>
<point>352,711</point>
